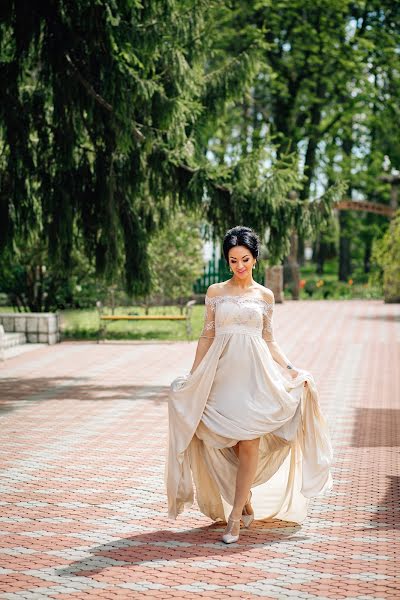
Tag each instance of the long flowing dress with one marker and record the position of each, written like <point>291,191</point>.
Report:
<point>238,392</point>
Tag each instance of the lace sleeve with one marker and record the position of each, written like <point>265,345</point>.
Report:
<point>268,331</point>
<point>208,330</point>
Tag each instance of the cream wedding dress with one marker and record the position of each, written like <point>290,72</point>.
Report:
<point>238,392</point>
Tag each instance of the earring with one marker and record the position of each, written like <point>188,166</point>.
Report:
<point>254,266</point>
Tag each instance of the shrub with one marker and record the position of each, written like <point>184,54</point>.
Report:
<point>386,256</point>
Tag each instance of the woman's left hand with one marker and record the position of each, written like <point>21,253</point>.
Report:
<point>295,373</point>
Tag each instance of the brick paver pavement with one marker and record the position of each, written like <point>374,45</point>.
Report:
<point>83,511</point>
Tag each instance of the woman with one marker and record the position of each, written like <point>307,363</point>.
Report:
<point>237,421</point>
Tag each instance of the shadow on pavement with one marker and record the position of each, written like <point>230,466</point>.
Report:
<point>388,318</point>
<point>15,393</point>
<point>376,427</point>
<point>170,546</point>
<point>380,428</point>
<point>388,509</point>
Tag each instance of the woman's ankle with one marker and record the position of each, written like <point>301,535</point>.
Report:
<point>235,515</point>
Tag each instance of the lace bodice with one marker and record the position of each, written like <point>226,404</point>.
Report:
<point>238,314</point>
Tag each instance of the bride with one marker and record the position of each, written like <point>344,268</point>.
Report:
<point>250,435</point>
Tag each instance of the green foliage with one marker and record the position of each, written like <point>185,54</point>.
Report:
<point>328,87</point>
<point>32,283</point>
<point>314,286</point>
<point>106,112</point>
<point>386,255</point>
<point>176,259</point>
<point>322,289</point>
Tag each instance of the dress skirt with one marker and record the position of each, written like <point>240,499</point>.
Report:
<point>236,393</point>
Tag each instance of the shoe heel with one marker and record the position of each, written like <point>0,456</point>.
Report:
<point>247,520</point>
<point>247,517</point>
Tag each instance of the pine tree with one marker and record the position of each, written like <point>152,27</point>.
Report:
<point>105,116</point>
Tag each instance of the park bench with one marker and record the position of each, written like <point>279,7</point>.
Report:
<point>104,319</point>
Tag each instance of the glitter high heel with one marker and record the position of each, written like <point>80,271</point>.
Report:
<point>228,538</point>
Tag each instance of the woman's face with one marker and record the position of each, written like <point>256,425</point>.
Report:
<point>241,261</point>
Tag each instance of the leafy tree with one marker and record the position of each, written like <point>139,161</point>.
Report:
<point>32,283</point>
<point>364,135</point>
<point>328,88</point>
<point>325,244</point>
<point>176,258</point>
<point>106,110</point>
<point>299,93</point>
<point>386,255</point>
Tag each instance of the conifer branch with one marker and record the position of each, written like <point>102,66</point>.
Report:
<point>99,99</point>
<point>88,86</point>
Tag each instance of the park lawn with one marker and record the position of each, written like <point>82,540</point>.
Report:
<point>83,324</point>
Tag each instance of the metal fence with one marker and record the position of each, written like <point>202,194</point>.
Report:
<point>216,271</point>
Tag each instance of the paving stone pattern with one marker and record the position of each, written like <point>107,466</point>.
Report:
<point>82,504</point>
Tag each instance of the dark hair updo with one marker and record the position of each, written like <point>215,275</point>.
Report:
<point>241,236</point>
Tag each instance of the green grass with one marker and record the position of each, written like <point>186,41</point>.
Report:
<point>84,324</point>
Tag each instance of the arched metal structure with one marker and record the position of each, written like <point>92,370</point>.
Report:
<point>364,205</point>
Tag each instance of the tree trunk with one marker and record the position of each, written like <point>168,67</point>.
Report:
<point>320,253</point>
<point>367,255</point>
<point>345,267</point>
<point>300,249</point>
<point>309,166</point>
<point>294,266</point>
<point>344,247</point>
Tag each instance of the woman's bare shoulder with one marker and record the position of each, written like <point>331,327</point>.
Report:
<point>266,293</point>
<point>216,289</point>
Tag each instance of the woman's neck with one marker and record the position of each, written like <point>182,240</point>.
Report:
<point>242,284</point>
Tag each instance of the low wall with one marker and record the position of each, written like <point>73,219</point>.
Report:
<point>42,328</point>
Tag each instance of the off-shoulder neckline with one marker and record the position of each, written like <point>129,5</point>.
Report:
<point>211,298</point>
